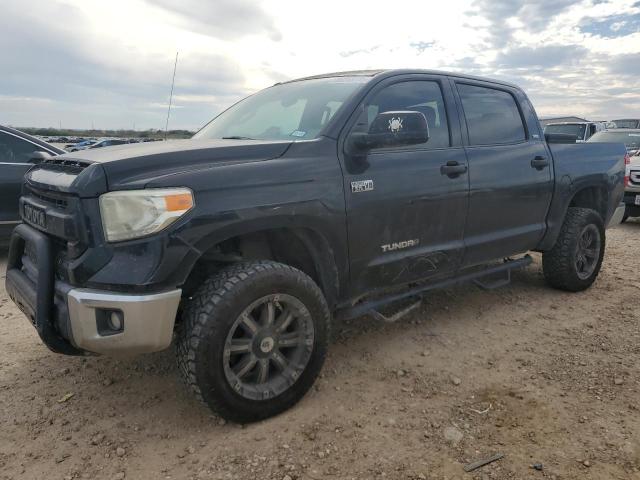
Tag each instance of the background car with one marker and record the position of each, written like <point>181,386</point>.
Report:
<point>82,145</point>
<point>18,153</point>
<point>627,123</point>
<point>582,130</point>
<point>631,139</point>
<point>109,142</point>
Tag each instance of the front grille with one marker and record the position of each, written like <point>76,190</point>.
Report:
<point>634,177</point>
<point>51,198</point>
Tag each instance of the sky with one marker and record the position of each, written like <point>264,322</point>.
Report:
<point>109,64</point>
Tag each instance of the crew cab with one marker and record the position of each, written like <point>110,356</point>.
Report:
<point>315,199</point>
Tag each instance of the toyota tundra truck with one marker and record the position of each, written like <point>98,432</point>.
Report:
<point>315,199</point>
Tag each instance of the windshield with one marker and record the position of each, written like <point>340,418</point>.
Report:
<point>289,111</point>
<point>630,139</point>
<point>627,123</point>
<point>576,129</point>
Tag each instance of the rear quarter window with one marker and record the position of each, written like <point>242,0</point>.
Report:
<point>492,115</point>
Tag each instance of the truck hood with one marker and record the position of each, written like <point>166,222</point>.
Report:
<point>134,165</point>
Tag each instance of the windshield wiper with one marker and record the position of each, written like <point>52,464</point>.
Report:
<point>237,137</point>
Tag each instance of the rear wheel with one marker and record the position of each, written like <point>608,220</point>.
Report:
<point>253,340</point>
<point>575,260</point>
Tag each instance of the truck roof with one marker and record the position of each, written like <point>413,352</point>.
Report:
<point>393,72</point>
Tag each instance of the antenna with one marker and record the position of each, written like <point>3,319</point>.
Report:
<point>166,126</point>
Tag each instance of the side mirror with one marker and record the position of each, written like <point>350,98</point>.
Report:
<point>393,129</point>
<point>39,157</point>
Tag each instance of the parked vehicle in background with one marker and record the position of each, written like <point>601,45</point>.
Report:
<point>631,140</point>
<point>627,123</point>
<point>18,152</point>
<point>82,145</point>
<point>581,130</point>
<point>108,143</point>
<point>329,195</point>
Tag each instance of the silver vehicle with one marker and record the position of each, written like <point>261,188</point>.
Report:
<point>626,123</point>
<point>631,138</point>
<point>581,130</point>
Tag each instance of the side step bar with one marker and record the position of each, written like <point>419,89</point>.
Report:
<point>479,278</point>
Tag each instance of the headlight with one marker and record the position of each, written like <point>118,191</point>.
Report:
<point>131,214</point>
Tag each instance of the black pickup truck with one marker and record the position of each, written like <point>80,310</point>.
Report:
<point>319,198</point>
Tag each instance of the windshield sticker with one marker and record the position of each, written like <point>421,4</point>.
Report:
<point>298,133</point>
<point>634,134</point>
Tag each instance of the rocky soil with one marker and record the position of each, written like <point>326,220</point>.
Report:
<point>546,378</point>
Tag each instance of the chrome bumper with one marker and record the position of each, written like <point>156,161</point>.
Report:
<point>146,321</point>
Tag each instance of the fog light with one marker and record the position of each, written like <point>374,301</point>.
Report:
<point>115,321</point>
<point>109,322</point>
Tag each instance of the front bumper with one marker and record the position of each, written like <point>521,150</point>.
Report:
<point>74,320</point>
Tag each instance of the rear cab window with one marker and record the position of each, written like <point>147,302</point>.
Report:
<point>492,115</point>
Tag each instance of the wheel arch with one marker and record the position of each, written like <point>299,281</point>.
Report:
<point>593,195</point>
<point>301,247</point>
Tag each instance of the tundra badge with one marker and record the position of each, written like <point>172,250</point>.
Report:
<point>362,186</point>
<point>390,247</point>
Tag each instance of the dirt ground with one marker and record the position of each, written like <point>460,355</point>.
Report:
<point>541,376</point>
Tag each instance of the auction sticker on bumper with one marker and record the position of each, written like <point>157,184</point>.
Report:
<point>637,199</point>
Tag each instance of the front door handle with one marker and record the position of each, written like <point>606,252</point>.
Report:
<point>452,169</point>
<point>539,162</point>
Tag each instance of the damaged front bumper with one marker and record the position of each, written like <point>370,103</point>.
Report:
<point>75,321</point>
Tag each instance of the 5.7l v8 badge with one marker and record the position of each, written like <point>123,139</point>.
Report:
<point>362,186</point>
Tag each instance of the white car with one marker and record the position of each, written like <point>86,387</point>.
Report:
<point>581,130</point>
<point>631,139</point>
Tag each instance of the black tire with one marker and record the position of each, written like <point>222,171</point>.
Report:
<point>562,265</point>
<point>210,319</point>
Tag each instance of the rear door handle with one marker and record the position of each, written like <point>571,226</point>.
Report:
<point>452,169</point>
<point>539,162</point>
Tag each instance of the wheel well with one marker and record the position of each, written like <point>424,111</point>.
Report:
<point>300,248</point>
<point>591,197</point>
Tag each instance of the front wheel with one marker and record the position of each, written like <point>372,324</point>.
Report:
<point>253,340</point>
<point>575,260</point>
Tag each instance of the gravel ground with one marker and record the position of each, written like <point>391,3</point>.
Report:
<point>541,376</point>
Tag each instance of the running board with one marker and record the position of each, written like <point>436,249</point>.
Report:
<point>371,306</point>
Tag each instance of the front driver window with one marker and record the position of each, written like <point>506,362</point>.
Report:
<point>418,96</point>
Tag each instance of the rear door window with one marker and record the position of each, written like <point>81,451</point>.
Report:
<point>492,115</point>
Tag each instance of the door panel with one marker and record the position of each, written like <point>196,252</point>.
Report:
<point>510,173</point>
<point>412,202</point>
<point>409,226</point>
<point>14,156</point>
<point>508,201</point>
<point>10,187</point>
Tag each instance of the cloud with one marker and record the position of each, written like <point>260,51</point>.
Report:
<point>422,46</point>
<point>612,27</point>
<point>110,63</point>
<point>86,76</point>
<point>541,57</point>
<point>225,19</point>
<point>627,65</point>
<point>531,15</point>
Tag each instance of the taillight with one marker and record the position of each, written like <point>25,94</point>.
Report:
<point>627,161</point>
